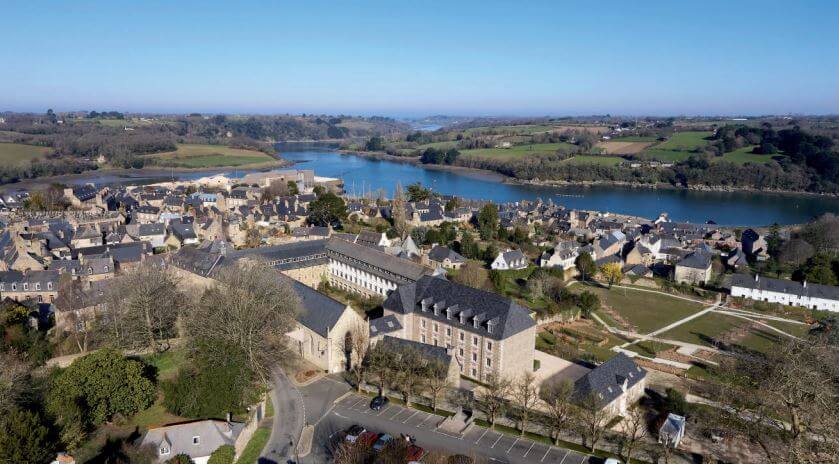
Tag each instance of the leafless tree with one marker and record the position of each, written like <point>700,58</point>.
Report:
<point>357,344</point>
<point>492,398</point>
<point>252,307</point>
<point>795,252</point>
<point>525,394</point>
<point>351,453</point>
<point>634,432</point>
<point>142,309</point>
<point>436,380</point>
<point>590,418</point>
<point>410,370</point>
<point>398,211</point>
<point>379,363</point>
<point>472,274</point>
<point>13,373</point>
<point>557,396</point>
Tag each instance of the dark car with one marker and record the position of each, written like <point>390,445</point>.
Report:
<point>379,402</point>
<point>352,433</point>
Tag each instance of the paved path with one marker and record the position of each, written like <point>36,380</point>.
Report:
<point>395,420</point>
<point>289,417</point>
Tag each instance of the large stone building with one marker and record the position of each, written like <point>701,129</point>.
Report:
<point>367,271</point>
<point>487,333</point>
<point>37,286</point>
<point>787,292</point>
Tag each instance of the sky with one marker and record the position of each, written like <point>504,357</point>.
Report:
<point>468,58</point>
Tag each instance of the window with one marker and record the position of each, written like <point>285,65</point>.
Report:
<point>25,286</point>
<point>474,341</point>
<point>164,450</point>
<point>474,357</point>
<point>422,338</point>
<point>448,331</point>
<point>460,351</point>
<point>489,346</point>
<point>422,323</point>
<point>489,362</point>
<point>435,341</point>
<point>196,440</point>
<point>49,285</point>
<point>37,285</point>
<point>474,372</point>
<point>462,336</point>
<point>435,327</point>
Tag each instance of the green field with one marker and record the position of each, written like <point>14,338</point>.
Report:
<point>592,159</point>
<point>517,151</point>
<point>635,138</point>
<point>521,129</point>
<point>709,327</point>
<point>685,141</point>
<point>668,155</point>
<point>210,156</point>
<point>744,155</point>
<point>15,154</point>
<point>441,145</point>
<point>645,311</point>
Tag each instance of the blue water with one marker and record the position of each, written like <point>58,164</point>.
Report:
<point>726,208</point>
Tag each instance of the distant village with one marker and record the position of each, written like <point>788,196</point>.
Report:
<point>60,262</point>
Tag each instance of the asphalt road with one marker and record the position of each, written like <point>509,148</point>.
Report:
<point>289,417</point>
<point>394,419</point>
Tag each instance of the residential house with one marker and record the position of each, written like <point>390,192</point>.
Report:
<point>197,439</point>
<point>443,256</point>
<point>694,269</point>
<point>614,385</point>
<point>510,259</point>
<point>754,244</point>
<point>38,286</point>
<point>786,292</point>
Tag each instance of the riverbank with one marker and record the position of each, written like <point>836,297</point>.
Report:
<point>413,160</point>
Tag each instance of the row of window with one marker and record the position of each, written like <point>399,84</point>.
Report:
<point>25,286</point>
<point>435,327</point>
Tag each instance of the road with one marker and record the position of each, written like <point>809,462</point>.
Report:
<point>394,419</point>
<point>289,417</point>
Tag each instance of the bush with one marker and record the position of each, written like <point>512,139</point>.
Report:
<point>99,386</point>
<point>213,386</point>
<point>25,439</point>
<point>180,459</point>
<point>223,455</point>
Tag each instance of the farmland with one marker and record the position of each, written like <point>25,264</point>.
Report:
<point>16,154</point>
<point>594,159</point>
<point>517,151</point>
<point>621,147</point>
<point>210,156</point>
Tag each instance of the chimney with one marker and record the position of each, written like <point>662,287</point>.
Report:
<point>229,417</point>
<point>805,284</point>
<point>757,277</point>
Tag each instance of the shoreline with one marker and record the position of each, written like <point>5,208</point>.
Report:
<point>492,175</point>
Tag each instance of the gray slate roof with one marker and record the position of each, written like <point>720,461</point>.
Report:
<point>384,325</point>
<point>212,434</point>
<point>696,260</point>
<point>785,286</point>
<point>374,261</point>
<point>440,253</point>
<point>288,255</point>
<point>507,317</point>
<point>428,351</point>
<point>320,312</point>
<point>606,380</point>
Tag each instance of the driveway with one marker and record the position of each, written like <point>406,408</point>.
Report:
<point>289,417</point>
<point>395,420</point>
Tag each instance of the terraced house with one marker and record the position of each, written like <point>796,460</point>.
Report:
<point>486,333</point>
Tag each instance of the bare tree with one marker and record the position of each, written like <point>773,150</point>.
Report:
<point>351,453</point>
<point>526,396</point>
<point>13,373</point>
<point>492,398</point>
<point>410,370</point>
<point>357,344</point>
<point>472,274</point>
<point>437,380</point>
<point>142,309</point>
<point>557,396</point>
<point>634,432</point>
<point>398,211</point>
<point>252,307</point>
<point>379,362</point>
<point>590,418</point>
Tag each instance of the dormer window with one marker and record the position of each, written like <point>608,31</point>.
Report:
<point>37,285</point>
<point>164,450</point>
<point>25,286</point>
<point>106,268</point>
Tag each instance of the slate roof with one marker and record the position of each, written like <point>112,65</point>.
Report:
<point>384,325</point>
<point>320,312</point>
<point>440,252</point>
<point>506,317</point>
<point>196,261</point>
<point>212,434</point>
<point>696,260</point>
<point>606,380</point>
<point>151,229</point>
<point>374,261</point>
<point>288,255</point>
<point>29,277</point>
<point>791,287</point>
<point>429,351</point>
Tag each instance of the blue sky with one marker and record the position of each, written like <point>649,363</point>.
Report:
<point>422,57</point>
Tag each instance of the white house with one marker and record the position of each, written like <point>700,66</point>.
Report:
<point>509,259</point>
<point>787,292</point>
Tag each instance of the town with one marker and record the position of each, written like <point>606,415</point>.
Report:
<point>277,316</point>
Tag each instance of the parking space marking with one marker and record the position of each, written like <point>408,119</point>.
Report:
<point>563,458</point>
<point>409,417</point>
<point>546,454</point>
<point>423,421</point>
<point>400,411</point>
<point>355,403</point>
<point>500,436</point>
<point>514,444</point>
<point>384,409</point>
<point>583,459</point>
<point>482,436</point>
<point>528,449</point>
<point>418,419</point>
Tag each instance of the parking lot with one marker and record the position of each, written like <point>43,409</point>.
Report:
<point>480,442</point>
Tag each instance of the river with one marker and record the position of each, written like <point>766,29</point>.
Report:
<point>363,174</point>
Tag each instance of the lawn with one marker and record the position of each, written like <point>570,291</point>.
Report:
<point>649,348</point>
<point>593,159</point>
<point>668,155</point>
<point>713,326</point>
<point>645,311</point>
<point>12,154</point>
<point>685,141</point>
<point>635,138</point>
<point>167,363</point>
<point>441,145</point>
<point>210,156</point>
<point>744,155</point>
<point>517,151</point>
<point>254,447</point>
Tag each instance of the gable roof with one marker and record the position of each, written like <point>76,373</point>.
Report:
<point>606,380</point>
<point>375,261</point>
<point>212,433</point>
<point>320,312</point>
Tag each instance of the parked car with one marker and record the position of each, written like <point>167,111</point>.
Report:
<point>352,433</point>
<point>612,461</point>
<point>382,441</point>
<point>379,402</point>
<point>368,438</point>
<point>415,453</point>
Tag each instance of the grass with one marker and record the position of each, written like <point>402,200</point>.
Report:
<point>591,159</point>
<point>649,348</point>
<point>685,141</point>
<point>634,138</point>
<point>254,447</point>
<point>710,327</point>
<point>442,145</point>
<point>15,154</point>
<point>744,155</point>
<point>672,156</point>
<point>167,363</point>
<point>646,311</point>
<point>517,151</point>
<point>209,156</point>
